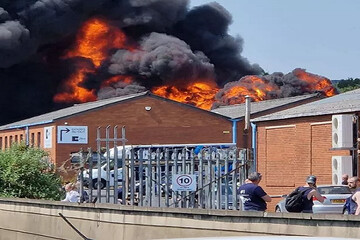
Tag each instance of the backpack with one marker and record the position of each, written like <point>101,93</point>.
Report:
<point>294,202</point>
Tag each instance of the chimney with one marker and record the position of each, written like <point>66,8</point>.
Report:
<point>247,114</point>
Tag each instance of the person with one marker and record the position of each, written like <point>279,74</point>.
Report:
<point>71,194</point>
<point>310,191</point>
<point>255,198</point>
<point>353,202</point>
<point>345,179</point>
<point>353,184</point>
<point>356,199</point>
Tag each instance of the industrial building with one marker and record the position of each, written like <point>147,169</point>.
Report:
<point>148,119</point>
<point>319,138</point>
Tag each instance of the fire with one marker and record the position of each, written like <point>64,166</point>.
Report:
<point>116,79</point>
<point>316,82</point>
<point>252,86</point>
<point>199,94</point>
<point>77,93</point>
<point>94,41</point>
<point>96,38</point>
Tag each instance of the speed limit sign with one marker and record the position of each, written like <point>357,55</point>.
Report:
<point>184,182</point>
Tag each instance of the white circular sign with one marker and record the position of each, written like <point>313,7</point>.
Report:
<point>184,180</point>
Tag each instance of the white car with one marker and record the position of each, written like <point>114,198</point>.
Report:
<point>102,183</point>
<point>335,197</point>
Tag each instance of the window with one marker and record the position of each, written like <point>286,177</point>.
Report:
<point>1,143</point>
<point>38,139</point>
<point>32,140</point>
<point>6,142</point>
<point>11,141</point>
<point>21,137</point>
<point>16,138</point>
<point>75,157</point>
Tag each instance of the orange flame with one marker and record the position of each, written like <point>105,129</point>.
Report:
<point>199,94</point>
<point>115,79</point>
<point>77,93</point>
<point>252,86</point>
<point>94,40</point>
<point>316,82</point>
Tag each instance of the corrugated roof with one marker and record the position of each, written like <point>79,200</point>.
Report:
<point>238,110</point>
<point>65,112</point>
<point>342,103</point>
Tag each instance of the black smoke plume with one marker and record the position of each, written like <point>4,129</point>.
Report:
<point>177,44</point>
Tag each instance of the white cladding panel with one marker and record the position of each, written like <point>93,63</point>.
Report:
<point>340,165</point>
<point>342,131</point>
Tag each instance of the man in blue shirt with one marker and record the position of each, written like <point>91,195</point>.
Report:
<point>254,196</point>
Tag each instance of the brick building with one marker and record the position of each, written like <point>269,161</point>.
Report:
<point>297,142</point>
<point>149,119</point>
<point>236,114</point>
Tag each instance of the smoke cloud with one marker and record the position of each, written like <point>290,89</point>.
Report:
<point>166,44</point>
<point>275,85</point>
<point>175,44</point>
<point>165,58</point>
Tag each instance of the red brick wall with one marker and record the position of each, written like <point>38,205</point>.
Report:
<point>244,140</point>
<point>166,123</point>
<point>290,150</point>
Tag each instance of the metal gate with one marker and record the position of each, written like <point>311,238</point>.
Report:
<point>143,175</point>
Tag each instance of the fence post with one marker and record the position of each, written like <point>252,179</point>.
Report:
<point>116,167</point>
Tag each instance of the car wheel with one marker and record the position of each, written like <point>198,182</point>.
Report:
<point>277,209</point>
<point>101,184</point>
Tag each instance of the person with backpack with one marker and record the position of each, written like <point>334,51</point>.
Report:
<point>301,199</point>
<point>255,198</point>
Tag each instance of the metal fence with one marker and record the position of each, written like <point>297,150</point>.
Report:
<point>160,175</point>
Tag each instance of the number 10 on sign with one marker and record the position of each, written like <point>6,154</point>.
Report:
<point>184,182</point>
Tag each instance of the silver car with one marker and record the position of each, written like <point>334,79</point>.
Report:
<point>335,197</point>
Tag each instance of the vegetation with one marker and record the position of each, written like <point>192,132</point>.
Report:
<point>348,84</point>
<point>25,172</point>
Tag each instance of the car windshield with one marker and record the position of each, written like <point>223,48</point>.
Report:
<point>112,164</point>
<point>334,190</point>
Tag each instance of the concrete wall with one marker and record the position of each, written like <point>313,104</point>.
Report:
<point>35,219</point>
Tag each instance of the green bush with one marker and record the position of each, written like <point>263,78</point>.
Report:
<point>25,172</point>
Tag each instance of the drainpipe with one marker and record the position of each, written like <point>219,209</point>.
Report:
<point>27,135</point>
<point>234,131</point>
<point>253,143</point>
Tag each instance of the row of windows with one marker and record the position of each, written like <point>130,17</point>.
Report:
<point>7,141</point>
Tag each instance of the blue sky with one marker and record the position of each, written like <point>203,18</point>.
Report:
<point>322,36</point>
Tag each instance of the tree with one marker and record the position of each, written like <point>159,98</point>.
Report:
<point>348,84</point>
<point>25,172</point>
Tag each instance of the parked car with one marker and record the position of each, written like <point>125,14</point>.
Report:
<point>95,173</point>
<point>335,197</point>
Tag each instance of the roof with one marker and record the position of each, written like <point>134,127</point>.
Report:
<point>343,103</point>
<point>84,107</point>
<point>238,110</point>
<point>65,112</point>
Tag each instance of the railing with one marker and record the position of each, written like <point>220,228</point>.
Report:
<point>151,175</point>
